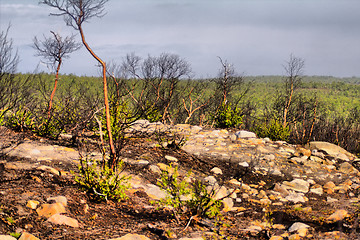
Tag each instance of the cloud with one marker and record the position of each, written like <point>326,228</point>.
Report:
<point>256,35</point>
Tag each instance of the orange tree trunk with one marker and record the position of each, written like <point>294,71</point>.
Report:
<point>106,101</point>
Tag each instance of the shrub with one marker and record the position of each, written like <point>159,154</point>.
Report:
<point>174,188</point>
<point>201,202</point>
<point>228,117</point>
<point>273,130</point>
<point>102,181</point>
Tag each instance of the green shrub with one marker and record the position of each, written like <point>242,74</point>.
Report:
<point>200,201</point>
<point>20,120</point>
<point>102,181</point>
<point>228,117</point>
<point>174,188</point>
<point>273,130</point>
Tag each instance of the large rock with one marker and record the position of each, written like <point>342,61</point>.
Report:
<point>332,150</point>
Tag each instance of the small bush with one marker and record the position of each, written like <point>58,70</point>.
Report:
<point>174,188</point>
<point>273,130</point>
<point>201,202</point>
<point>102,181</point>
<point>228,117</point>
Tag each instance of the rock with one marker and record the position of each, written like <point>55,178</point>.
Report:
<point>297,226</point>
<point>47,210</point>
<point>332,150</point>
<point>210,180</point>
<point>154,192</point>
<point>228,204</point>
<point>27,236</point>
<point>276,238</point>
<point>63,220</point>
<point>130,236</point>
<point>6,237</point>
<point>49,169</point>
<point>216,170</point>
<point>297,185</point>
<point>338,215</point>
<point>280,189</point>
<point>244,164</point>
<point>196,238</point>
<point>32,204</point>
<point>317,190</point>
<point>221,193</point>
<point>245,134</point>
<point>58,199</point>
<point>296,197</point>
<point>347,168</point>
<point>136,162</point>
<point>171,159</point>
<point>294,237</point>
<point>155,169</point>
<point>331,200</point>
<point>329,187</point>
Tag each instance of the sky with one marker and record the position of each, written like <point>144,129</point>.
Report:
<point>256,36</point>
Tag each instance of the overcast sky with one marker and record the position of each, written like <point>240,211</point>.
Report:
<point>256,36</point>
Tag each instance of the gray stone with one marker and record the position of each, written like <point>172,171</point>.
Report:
<point>216,170</point>
<point>155,169</point>
<point>318,191</point>
<point>296,198</point>
<point>154,192</point>
<point>245,134</point>
<point>171,158</point>
<point>210,180</point>
<point>297,226</point>
<point>244,164</point>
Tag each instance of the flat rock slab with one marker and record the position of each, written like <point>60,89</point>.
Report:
<point>37,151</point>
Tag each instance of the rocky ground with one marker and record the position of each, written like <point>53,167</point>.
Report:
<point>269,190</point>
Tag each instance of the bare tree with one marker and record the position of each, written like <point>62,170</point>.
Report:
<point>54,49</point>
<point>195,100</point>
<point>294,71</point>
<point>159,77</point>
<point>230,90</point>
<point>75,13</point>
<point>8,59</point>
<point>9,85</point>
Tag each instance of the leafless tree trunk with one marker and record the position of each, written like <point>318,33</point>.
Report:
<point>75,14</point>
<point>54,50</point>
<point>8,63</point>
<point>294,70</point>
